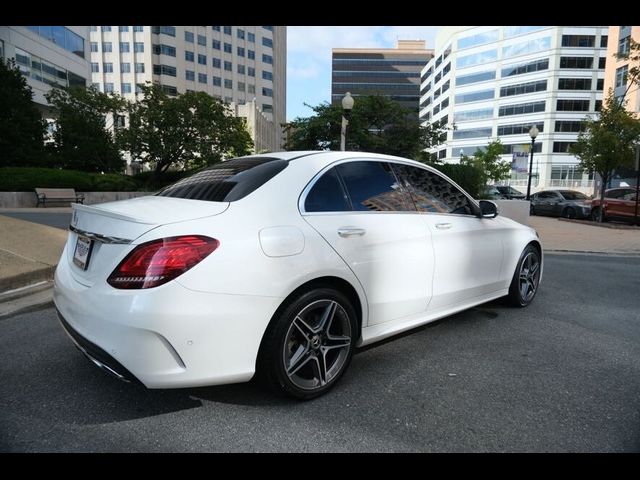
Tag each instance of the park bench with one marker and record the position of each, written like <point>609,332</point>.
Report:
<point>58,195</point>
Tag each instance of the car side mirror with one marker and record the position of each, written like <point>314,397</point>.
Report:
<point>488,209</point>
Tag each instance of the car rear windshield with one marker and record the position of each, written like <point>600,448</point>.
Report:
<point>226,181</point>
<point>569,195</point>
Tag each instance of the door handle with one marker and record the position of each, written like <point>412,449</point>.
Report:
<point>351,232</point>
<point>444,226</point>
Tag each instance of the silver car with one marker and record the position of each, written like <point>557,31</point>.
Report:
<point>560,203</point>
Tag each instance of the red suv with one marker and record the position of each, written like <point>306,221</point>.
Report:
<point>619,204</point>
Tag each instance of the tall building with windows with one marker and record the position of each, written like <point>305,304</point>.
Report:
<point>242,65</point>
<point>48,56</point>
<point>497,81</point>
<point>616,73</point>
<point>392,72</point>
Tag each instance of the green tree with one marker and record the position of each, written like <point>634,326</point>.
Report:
<point>488,163</point>
<point>376,124</point>
<point>187,131</point>
<point>21,126</point>
<point>82,139</point>
<point>608,142</point>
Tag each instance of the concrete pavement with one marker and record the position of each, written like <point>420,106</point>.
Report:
<point>29,251</point>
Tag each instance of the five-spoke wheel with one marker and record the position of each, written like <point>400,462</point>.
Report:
<point>524,284</point>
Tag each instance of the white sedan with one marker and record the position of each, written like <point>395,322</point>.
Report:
<point>280,265</point>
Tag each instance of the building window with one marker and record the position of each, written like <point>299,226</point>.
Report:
<point>472,133</point>
<point>251,71</point>
<point>217,81</point>
<point>621,76</point>
<point>202,78</point>
<point>108,88</point>
<point>190,75</point>
<point>202,59</point>
<point>241,69</point>
<point>202,40</point>
<point>63,37</point>
<point>139,67</point>
<point>470,97</point>
<point>124,47</point>
<point>576,62</point>
<point>578,40</point>
<point>189,56</point>
<point>215,62</point>
<point>524,48</point>
<point>139,87</point>
<point>623,45</point>
<point>227,30</point>
<point>487,56</point>
<point>94,46</point>
<point>478,39</point>
<point>164,70</point>
<point>215,44</point>
<point>267,92</point>
<point>228,83</point>
<point>240,51</point>
<point>574,84</point>
<point>164,50</point>
<point>124,28</point>
<point>215,28</point>
<point>522,108</point>
<point>562,147</point>
<point>227,48</point>
<point>107,47</point>
<point>106,28</point>
<point>138,28</point>
<point>572,105</point>
<point>125,67</point>
<point>126,88</point>
<point>518,129</point>
<point>598,105</point>
<point>138,47</point>
<point>242,86</point>
<point>522,88</point>
<point>251,37</point>
<point>240,34</point>
<point>169,90</point>
<point>267,42</point>
<point>251,88</point>
<point>95,67</point>
<point>188,37</point>
<point>267,59</point>
<point>267,108</point>
<point>251,55</point>
<point>267,75</point>
<point>522,68</point>
<point>166,29</point>
<point>604,41</point>
<point>108,68</point>
<point>268,27</point>
<point>571,126</point>
<point>93,28</point>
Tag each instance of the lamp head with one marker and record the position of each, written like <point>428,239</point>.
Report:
<point>347,102</point>
<point>533,133</point>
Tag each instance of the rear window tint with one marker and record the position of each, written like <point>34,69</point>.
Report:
<point>226,181</point>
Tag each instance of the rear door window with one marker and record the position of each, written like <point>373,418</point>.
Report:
<point>373,186</point>
<point>226,181</point>
<point>327,195</point>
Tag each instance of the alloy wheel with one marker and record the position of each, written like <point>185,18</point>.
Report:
<point>529,276</point>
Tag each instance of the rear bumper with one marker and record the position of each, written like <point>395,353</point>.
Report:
<point>164,337</point>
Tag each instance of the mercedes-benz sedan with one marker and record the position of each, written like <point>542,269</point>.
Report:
<point>280,265</point>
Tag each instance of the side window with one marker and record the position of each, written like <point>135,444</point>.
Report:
<point>432,193</point>
<point>373,186</point>
<point>614,194</point>
<point>327,195</point>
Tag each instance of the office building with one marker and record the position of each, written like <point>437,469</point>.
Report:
<point>48,56</point>
<point>497,81</point>
<point>242,65</point>
<point>392,72</point>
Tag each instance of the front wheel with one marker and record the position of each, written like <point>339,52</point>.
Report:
<point>569,212</point>
<point>309,345</point>
<point>526,278</point>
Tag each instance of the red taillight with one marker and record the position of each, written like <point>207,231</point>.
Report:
<point>159,261</point>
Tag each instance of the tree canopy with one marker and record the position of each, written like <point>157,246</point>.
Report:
<point>21,126</point>
<point>191,130</point>
<point>82,140</point>
<point>488,163</point>
<point>376,124</point>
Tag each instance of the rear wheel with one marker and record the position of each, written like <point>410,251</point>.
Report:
<point>595,213</point>
<point>526,278</point>
<point>309,345</point>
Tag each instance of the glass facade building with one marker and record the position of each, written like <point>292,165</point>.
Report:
<point>501,80</point>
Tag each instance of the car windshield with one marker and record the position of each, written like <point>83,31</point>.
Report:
<point>570,195</point>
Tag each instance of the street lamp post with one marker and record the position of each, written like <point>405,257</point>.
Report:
<point>533,132</point>
<point>347,105</point>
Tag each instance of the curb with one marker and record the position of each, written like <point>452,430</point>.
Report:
<point>26,299</point>
<point>25,279</point>
<point>586,252</point>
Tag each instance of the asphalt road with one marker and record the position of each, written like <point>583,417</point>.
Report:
<point>562,375</point>
<point>52,219</point>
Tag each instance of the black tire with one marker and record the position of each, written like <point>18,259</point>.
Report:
<point>300,358</point>
<point>524,284</point>
<point>532,210</point>
<point>569,212</point>
<point>594,215</point>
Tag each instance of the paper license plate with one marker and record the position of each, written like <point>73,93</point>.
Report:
<point>82,252</point>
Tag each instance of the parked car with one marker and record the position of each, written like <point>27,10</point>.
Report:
<point>281,265</point>
<point>510,193</point>
<point>619,204</point>
<point>491,193</point>
<point>560,203</point>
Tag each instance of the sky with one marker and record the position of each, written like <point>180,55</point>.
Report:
<point>309,57</point>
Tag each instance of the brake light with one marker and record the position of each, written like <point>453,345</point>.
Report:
<point>157,262</point>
